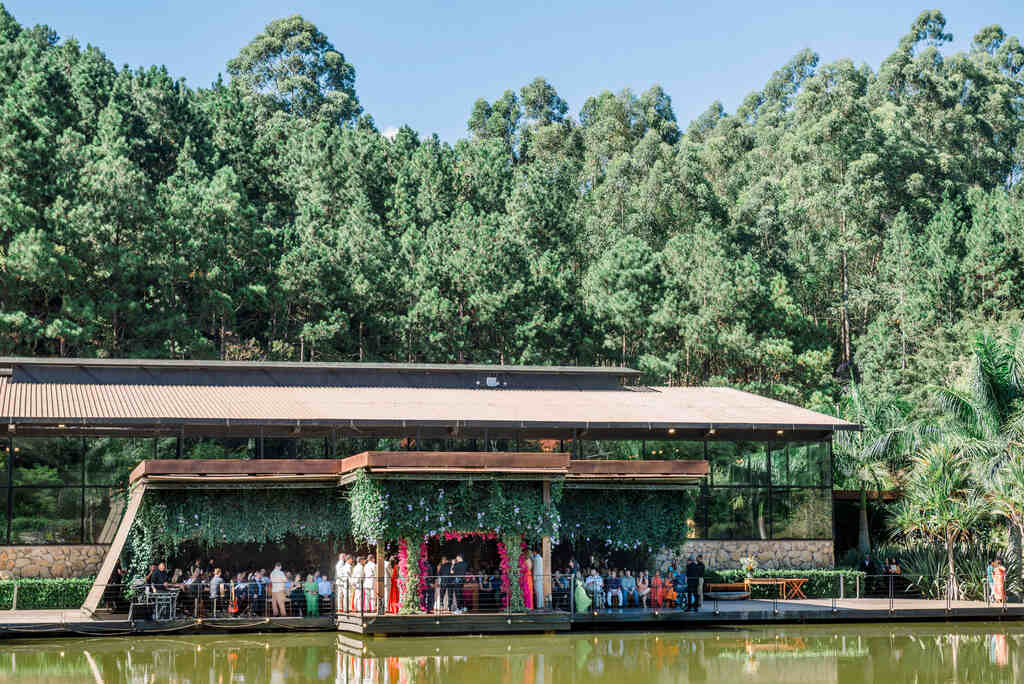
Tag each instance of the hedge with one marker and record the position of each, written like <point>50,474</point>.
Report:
<point>42,594</point>
<point>820,583</point>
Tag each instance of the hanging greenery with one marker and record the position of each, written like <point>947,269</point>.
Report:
<point>390,509</point>
<point>627,519</point>
<point>513,550</point>
<point>168,519</point>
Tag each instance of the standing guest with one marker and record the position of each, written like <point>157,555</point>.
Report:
<point>278,580</point>
<point>459,571</point>
<point>629,586</point>
<point>538,580</point>
<point>442,584</point>
<point>355,583</point>
<point>701,571</point>
<point>692,582</point>
<point>990,574</point>
<point>370,584</point>
<point>386,572</point>
<point>393,594</point>
<point>216,585</point>
<point>528,583</point>
<point>657,590</point>
<point>312,592</point>
<point>999,581</point>
<point>341,581</point>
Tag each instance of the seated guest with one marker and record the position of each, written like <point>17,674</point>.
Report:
<point>613,589</point>
<point>560,591</point>
<point>324,589</point>
<point>629,594</point>
<point>595,587</point>
<point>643,589</point>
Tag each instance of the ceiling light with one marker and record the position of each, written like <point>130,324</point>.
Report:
<point>671,431</point>
<point>778,432</point>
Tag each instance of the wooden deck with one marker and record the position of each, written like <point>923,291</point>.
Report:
<point>21,623</point>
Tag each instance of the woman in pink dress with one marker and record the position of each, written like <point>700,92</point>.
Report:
<point>999,581</point>
<point>528,584</point>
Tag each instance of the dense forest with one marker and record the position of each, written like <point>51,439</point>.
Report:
<point>844,222</point>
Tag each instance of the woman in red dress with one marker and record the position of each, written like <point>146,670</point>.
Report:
<point>393,593</point>
<point>657,590</point>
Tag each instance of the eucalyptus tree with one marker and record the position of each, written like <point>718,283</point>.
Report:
<point>294,67</point>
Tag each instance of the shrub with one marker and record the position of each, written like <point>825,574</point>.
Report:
<point>820,583</point>
<point>42,594</point>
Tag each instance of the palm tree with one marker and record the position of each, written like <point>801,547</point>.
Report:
<point>869,457</point>
<point>982,418</point>
<point>1006,494</point>
<point>940,504</point>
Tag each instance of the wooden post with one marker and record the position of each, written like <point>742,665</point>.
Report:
<point>546,550</point>
<point>381,607</point>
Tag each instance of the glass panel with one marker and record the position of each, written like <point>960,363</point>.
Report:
<point>224,448</point>
<point>103,508</point>
<point>47,516</point>
<point>738,463</point>
<point>4,493</point>
<point>47,460</point>
<point>737,513</point>
<point>801,514</point>
<point>109,460</point>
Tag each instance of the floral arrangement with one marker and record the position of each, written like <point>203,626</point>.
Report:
<point>424,568</point>
<point>389,509</point>
<point>749,564</point>
<point>505,573</point>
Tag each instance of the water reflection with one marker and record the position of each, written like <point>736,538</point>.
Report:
<point>853,653</point>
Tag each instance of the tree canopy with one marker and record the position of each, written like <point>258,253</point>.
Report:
<point>843,223</point>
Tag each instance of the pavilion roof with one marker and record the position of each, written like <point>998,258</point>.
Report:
<point>137,398</point>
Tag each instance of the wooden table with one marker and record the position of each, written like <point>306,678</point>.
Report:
<point>789,587</point>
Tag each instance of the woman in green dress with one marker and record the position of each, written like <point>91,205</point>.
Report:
<point>312,604</point>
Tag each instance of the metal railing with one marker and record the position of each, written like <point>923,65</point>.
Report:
<point>581,597</point>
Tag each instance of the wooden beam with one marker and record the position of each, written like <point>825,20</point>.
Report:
<point>92,601</point>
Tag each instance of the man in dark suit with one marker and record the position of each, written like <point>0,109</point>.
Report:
<point>700,576</point>
<point>459,570</point>
<point>692,581</point>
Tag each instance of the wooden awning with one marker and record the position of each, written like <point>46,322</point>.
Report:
<point>231,473</point>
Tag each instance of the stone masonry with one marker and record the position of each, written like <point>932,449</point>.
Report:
<point>79,560</point>
<point>724,554</point>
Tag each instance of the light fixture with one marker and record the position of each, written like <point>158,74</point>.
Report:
<point>711,431</point>
<point>671,431</point>
<point>778,432</point>
<point>61,426</point>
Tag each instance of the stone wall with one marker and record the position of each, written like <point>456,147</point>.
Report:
<point>723,554</point>
<point>79,560</point>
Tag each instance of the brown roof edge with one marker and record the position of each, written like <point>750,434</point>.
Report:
<point>10,361</point>
<point>636,468</point>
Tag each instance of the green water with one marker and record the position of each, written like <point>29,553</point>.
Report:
<point>961,652</point>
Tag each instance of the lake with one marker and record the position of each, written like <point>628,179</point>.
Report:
<point>926,652</point>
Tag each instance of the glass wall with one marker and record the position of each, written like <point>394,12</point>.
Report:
<point>70,490</point>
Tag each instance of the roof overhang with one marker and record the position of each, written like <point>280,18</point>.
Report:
<point>419,465</point>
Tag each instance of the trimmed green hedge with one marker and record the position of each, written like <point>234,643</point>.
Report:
<point>42,594</point>
<point>820,583</point>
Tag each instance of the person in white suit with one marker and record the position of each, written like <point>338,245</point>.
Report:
<point>341,573</point>
<point>370,584</point>
<point>355,583</point>
<point>538,581</point>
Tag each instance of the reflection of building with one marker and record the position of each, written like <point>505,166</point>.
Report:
<point>72,430</point>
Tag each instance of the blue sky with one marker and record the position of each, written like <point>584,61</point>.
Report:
<point>424,65</point>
